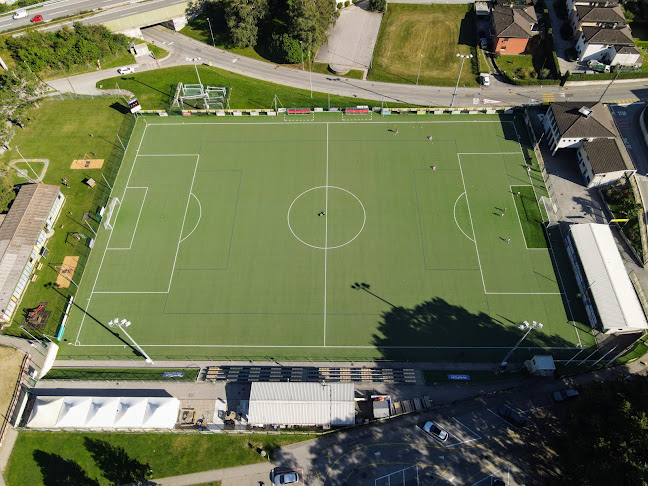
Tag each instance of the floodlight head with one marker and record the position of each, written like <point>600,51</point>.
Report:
<point>526,323</point>
<point>123,322</point>
<point>521,327</point>
<point>458,55</point>
<point>127,323</point>
<point>540,325</point>
<point>470,56</point>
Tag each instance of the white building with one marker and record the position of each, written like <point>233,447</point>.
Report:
<point>23,234</point>
<point>589,128</point>
<point>301,404</point>
<point>607,292</point>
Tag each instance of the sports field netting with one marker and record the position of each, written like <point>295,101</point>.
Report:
<point>326,239</point>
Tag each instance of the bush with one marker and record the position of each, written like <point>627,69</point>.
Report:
<point>347,3</point>
<point>544,73</point>
<point>378,5</point>
<point>285,48</point>
<point>354,2</point>
<point>340,5</point>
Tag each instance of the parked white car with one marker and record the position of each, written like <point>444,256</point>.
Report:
<point>126,70</point>
<point>435,431</point>
<point>485,79</point>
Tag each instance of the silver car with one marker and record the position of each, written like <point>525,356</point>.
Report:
<point>290,477</point>
<point>435,431</point>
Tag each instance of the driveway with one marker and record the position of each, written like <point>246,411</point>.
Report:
<point>561,45</point>
<point>352,39</point>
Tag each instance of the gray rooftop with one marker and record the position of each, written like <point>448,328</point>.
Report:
<point>573,124</point>
<point>604,35</point>
<point>611,14</point>
<point>514,21</point>
<point>607,155</point>
<point>19,232</point>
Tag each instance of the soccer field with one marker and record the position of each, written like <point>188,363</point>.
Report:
<point>325,238</point>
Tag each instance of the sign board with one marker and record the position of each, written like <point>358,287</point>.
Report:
<point>134,105</point>
<point>173,374</point>
<point>459,377</point>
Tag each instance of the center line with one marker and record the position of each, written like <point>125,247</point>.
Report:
<point>326,232</point>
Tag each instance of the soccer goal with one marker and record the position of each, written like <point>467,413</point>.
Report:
<point>110,210</point>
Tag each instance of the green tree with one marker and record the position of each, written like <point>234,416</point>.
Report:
<point>242,18</point>
<point>378,5</point>
<point>286,49</point>
<point>18,89</point>
<point>7,193</point>
<point>605,439</point>
<point>309,21</point>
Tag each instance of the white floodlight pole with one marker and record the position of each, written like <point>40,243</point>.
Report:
<point>194,59</point>
<point>463,58</point>
<point>210,31</point>
<point>310,72</point>
<point>301,48</point>
<point>419,69</point>
<point>122,325</point>
<point>523,326</point>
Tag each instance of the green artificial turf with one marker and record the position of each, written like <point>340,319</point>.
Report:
<point>56,454</point>
<point>218,249</point>
<point>121,374</point>
<point>155,89</point>
<point>531,219</point>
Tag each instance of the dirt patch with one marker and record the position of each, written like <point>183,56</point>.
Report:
<point>10,369</point>
<point>66,271</point>
<point>87,164</point>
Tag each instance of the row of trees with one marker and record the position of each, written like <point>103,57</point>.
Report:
<point>83,44</point>
<point>288,26</point>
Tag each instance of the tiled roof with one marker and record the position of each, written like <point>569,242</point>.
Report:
<point>603,35</point>
<point>514,21</point>
<point>572,124</point>
<point>627,50</point>
<point>19,232</point>
<point>607,155</point>
<point>610,14</point>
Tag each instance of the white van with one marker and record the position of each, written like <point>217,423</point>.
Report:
<point>20,14</point>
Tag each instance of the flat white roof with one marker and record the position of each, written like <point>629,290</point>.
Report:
<point>278,403</point>
<point>611,288</point>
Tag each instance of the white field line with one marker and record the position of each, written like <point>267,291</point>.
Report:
<point>169,155</point>
<point>110,235</point>
<point>274,122</point>
<point>326,216</point>
<point>524,293</point>
<point>317,346</point>
<point>518,216</point>
<point>454,213</point>
<point>183,222</point>
<point>471,224</point>
<point>128,292</point>
<point>488,153</point>
<point>199,218</point>
<point>136,223</point>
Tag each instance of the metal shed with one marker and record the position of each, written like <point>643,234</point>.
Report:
<point>306,404</point>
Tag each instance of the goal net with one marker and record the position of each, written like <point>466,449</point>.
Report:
<point>110,210</point>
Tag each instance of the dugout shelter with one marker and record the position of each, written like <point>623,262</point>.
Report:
<point>605,287</point>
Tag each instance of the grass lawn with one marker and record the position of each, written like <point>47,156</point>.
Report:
<point>637,351</point>
<point>167,454</point>
<point>155,89</point>
<point>530,217</point>
<point>120,374</point>
<point>510,63</point>
<point>437,32</point>
<point>59,131</point>
<point>407,259</point>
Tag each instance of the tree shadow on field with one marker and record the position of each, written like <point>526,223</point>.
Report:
<point>466,336</point>
<point>467,34</point>
<point>58,471</point>
<point>115,464</point>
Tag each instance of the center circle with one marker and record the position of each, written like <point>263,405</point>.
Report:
<point>326,217</point>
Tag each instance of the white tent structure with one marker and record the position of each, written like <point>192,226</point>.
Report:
<point>318,404</point>
<point>102,412</point>
<point>161,413</point>
<point>601,274</point>
<point>130,413</point>
<point>73,412</point>
<point>45,412</point>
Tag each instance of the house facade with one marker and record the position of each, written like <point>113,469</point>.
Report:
<point>589,128</point>
<point>602,33</point>
<point>512,27</point>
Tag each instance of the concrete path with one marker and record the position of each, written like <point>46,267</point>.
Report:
<point>251,475</point>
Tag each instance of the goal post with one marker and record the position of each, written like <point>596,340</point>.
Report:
<point>110,210</point>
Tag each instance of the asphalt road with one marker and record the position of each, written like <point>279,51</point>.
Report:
<point>110,10</point>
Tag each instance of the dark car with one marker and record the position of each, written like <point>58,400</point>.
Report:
<point>566,394</point>
<point>511,416</point>
<point>37,18</point>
